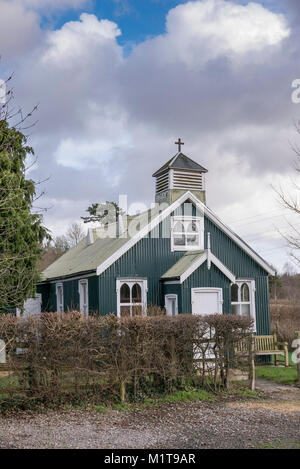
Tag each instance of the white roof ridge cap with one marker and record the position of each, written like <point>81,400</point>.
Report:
<point>174,159</point>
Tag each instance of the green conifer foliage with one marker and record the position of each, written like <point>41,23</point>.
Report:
<point>21,231</point>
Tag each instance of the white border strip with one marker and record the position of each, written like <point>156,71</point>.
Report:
<point>214,260</point>
<point>187,195</point>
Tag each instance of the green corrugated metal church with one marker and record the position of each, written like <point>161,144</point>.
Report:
<point>177,255</point>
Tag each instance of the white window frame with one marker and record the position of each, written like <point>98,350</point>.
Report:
<point>59,304</point>
<point>84,306</point>
<point>219,291</point>
<point>186,220</point>
<point>171,296</point>
<point>251,286</point>
<point>143,282</point>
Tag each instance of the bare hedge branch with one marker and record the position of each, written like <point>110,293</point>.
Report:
<point>57,357</point>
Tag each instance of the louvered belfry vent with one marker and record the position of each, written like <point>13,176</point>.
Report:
<point>178,175</point>
<point>162,182</point>
<point>188,180</point>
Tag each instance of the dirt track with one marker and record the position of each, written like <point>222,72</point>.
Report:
<point>274,422</point>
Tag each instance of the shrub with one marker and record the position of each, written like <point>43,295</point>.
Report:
<point>285,320</point>
<point>66,357</point>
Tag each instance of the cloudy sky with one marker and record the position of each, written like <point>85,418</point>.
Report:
<point>117,81</point>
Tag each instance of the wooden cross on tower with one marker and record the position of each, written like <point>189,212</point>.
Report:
<point>179,143</point>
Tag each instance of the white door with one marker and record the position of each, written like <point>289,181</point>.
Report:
<point>207,301</point>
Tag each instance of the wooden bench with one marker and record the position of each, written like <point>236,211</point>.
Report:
<point>265,345</point>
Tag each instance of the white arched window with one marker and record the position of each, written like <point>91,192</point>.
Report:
<point>243,298</point>
<point>187,233</point>
<point>131,296</point>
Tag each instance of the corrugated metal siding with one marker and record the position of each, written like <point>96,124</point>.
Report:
<point>71,295</point>
<point>230,253</point>
<point>151,257</point>
<point>174,289</point>
<point>44,290</point>
<point>262,305</point>
<point>203,277</point>
<point>94,294</point>
<point>242,266</point>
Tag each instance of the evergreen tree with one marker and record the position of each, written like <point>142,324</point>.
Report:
<point>103,213</point>
<point>21,231</point>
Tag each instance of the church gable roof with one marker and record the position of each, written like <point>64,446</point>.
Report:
<point>190,261</point>
<point>103,252</point>
<point>88,255</point>
<point>180,161</point>
<point>168,211</point>
<point>83,258</point>
<point>181,266</point>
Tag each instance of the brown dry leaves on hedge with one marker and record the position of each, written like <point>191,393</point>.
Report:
<point>58,357</point>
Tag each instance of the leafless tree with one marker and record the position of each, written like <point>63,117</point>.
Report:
<point>290,200</point>
<point>75,234</point>
<point>55,248</point>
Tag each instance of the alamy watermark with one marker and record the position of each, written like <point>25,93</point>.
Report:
<point>125,221</point>
<point>296,353</point>
<point>2,92</point>
<point>295,96</point>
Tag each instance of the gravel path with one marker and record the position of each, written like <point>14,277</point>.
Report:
<point>275,390</point>
<point>230,424</point>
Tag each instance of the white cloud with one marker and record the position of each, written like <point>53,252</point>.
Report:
<point>107,122</point>
<point>19,29</point>
<point>199,31</point>
<point>77,39</point>
<point>81,154</point>
<point>52,4</point>
<point>226,26</point>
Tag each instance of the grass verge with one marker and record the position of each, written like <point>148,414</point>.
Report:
<point>281,445</point>
<point>278,374</point>
<point>185,396</point>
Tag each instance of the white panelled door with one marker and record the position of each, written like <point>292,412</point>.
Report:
<point>207,301</point>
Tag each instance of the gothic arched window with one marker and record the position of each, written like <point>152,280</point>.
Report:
<point>179,234</point>
<point>234,293</point>
<point>241,298</point>
<point>131,297</point>
<point>125,293</point>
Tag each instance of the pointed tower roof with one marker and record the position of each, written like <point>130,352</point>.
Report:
<point>180,161</point>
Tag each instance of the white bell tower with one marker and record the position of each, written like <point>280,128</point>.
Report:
<point>179,175</point>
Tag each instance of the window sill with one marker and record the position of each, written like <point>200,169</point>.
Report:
<point>185,248</point>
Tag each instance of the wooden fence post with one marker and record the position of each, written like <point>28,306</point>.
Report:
<point>252,362</point>
<point>286,353</point>
<point>123,390</point>
<point>275,343</point>
<point>173,359</point>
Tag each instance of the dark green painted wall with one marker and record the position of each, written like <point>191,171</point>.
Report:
<point>242,266</point>
<point>44,289</point>
<point>151,257</point>
<point>203,277</point>
<point>71,295</point>
<point>174,289</point>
